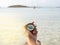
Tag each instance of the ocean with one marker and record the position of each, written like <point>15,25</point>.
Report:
<point>12,21</point>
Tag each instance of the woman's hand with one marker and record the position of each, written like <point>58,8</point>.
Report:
<point>31,37</point>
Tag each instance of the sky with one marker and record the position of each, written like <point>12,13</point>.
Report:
<point>44,3</point>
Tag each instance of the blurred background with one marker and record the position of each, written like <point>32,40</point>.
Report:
<point>15,14</point>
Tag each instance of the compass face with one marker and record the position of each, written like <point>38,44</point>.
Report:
<point>30,27</point>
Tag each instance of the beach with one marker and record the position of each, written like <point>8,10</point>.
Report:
<point>12,21</point>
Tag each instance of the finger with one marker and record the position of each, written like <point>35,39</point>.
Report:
<point>33,22</point>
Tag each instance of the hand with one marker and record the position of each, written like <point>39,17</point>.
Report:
<point>31,37</point>
<point>27,32</point>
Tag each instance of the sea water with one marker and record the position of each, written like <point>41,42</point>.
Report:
<point>12,21</point>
